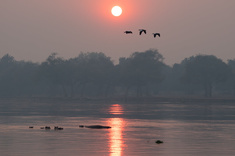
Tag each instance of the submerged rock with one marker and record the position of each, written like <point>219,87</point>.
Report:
<point>159,142</point>
<point>98,127</point>
<point>58,128</point>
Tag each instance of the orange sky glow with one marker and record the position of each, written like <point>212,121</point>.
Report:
<point>32,30</point>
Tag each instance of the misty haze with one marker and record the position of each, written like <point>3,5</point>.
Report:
<point>117,78</point>
<point>94,75</point>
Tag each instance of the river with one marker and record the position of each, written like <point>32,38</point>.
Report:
<point>186,128</point>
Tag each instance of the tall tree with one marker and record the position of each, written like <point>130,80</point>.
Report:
<point>16,77</point>
<point>205,70</point>
<point>94,69</point>
<point>54,70</point>
<point>141,69</point>
<point>231,64</point>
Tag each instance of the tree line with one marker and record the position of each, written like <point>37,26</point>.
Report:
<point>93,74</point>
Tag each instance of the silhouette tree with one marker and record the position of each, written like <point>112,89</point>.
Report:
<point>93,70</point>
<point>7,69</point>
<point>16,77</point>
<point>231,64</point>
<point>54,70</point>
<point>140,70</point>
<point>25,77</point>
<point>176,83</point>
<point>94,74</point>
<point>205,70</point>
<point>172,83</point>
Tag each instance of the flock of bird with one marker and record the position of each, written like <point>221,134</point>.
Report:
<point>142,31</point>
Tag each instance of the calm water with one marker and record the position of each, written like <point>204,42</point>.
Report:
<point>187,129</point>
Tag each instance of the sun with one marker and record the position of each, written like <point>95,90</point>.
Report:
<point>116,11</point>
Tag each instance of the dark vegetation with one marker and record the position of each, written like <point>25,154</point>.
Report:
<point>94,75</point>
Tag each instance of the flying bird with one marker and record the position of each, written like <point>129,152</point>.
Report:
<point>142,30</point>
<point>128,32</point>
<point>156,34</point>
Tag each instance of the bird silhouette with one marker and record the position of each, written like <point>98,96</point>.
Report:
<point>156,34</point>
<point>142,30</point>
<point>128,32</point>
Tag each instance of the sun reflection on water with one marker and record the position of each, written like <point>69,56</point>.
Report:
<point>115,135</point>
<point>116,109</point>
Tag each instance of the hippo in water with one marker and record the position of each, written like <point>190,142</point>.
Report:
<point>95,126</point>
<point>159,142</point>
<point>58,128</point>
<point>47,127</point>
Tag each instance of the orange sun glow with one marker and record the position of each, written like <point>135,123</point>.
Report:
<point>116,11</point>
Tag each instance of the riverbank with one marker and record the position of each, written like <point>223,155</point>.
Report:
<point>157,99</point>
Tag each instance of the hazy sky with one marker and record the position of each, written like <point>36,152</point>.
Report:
<point>33,29</point>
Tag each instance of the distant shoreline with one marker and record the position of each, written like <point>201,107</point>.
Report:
<point>160,99</point>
